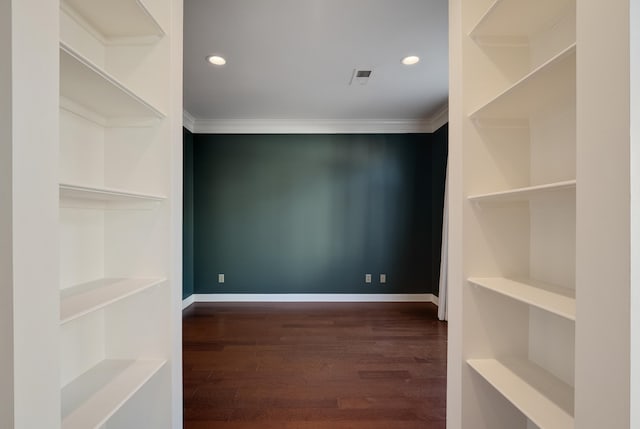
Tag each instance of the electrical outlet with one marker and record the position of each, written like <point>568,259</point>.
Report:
<point>367,278</point>
<point>220,278</point>
<point>383,278</point>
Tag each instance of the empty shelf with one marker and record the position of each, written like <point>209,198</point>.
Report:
<point>541,397</point>
<point>91,399</point>
<point>77,192</point>
<point>547,83</point>
<point>512,22</point>
<point>89,86</point>
<point>523,194</point>
<point>85,298</point>
<point>554,299</point>
<point>116,20</point>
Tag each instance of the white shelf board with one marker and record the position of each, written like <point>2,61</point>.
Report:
<point>91,399</point>
<point>82,299</point>
<point>554,299</point>
<point>542,398</point>
<point>545,84</point>
<point>78,192</point>
<point>523,194</point>
<point>115,21</point>
<point>513,22</point>
<point>94,89</point>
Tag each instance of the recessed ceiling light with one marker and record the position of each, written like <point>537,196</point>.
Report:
<point>216,60</point>
<point>410,60</point>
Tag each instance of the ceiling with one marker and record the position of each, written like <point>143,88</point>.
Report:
<point>294,59</point>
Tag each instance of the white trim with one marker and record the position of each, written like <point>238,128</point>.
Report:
<point>188,301</point>
<point>310,126</point>
<point>434,299</point>
<point>440,118</point>
<point>314,297</point>
<point>188,121</point>
<point>316,126</point>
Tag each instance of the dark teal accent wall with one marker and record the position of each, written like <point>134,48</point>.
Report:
<point>314,213</point>
<point>187,215</point>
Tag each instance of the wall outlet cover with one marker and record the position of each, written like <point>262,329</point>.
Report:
<point>383,278</point>
<point>367,278</point>
<point>220,278</point>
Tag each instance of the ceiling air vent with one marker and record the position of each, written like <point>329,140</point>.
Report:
<point>360,76</point>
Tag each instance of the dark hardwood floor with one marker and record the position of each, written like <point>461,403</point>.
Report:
<point>314,366</point>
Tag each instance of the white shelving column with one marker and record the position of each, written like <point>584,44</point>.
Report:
<point>607,193</point>
<point>6,219</point>
<point>513,205</point>
<point>634,93</point>
<point>120,89</point>
<point>90,173</point>
<point>29,394</point>
<point>543,240</point>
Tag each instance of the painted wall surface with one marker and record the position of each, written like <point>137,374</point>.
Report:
<point>634,94</point>
<point>187,215</point>
<point>314,213</point>
<point>6,221</point>
<point>603,223</point>
<point>35,52</point>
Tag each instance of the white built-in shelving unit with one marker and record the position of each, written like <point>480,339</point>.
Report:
<point>87,85</point>
<point>518,214</point>
<point>543,399</point>
<point>118,360</point>
<point>91,193</point>
<point>551,298</point>
<point>524,194</point>
<point>126,21</point>
<point>530,93</point>
<point>543,203</point>
<point>513,23</point>
<point>91,399</point>
<point>80,300</point>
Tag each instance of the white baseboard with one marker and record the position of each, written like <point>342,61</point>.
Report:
<point>435,299</point>
<point>188,301</point>
<point>310,297</point>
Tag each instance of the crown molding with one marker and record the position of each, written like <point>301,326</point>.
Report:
<point>188,121</point>
<point>440,117</point>
<point>316,126</point>
<point>309,126</point>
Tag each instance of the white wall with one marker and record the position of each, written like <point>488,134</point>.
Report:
<point>6,291</point>
<point>455,193</point>
<point>603,207</point>
<point>34,141</point>
<point>175,168</point>
<point>635,211</point>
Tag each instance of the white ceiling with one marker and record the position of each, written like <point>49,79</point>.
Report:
<point>293,59</point>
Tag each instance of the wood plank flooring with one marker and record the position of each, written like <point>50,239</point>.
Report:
<point>314,366</point>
